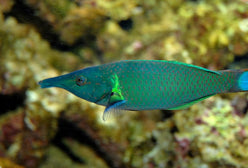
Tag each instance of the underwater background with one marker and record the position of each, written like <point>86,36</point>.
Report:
<point>51,128</point>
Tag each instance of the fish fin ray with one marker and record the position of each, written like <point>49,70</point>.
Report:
<point>115,101</point>
<point>196,67</point>
<point>188,104</point>
<point>243,81</point>
<point>113,109</point>
<point>180,63</point>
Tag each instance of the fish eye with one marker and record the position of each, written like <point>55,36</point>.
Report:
<point>80,81</point>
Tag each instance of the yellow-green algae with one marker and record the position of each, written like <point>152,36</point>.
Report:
<point>70,21</point>
<point>54,157</point>
<point>195,32</point>
<point>6,163</point>
<point>207,33</point>
<point>25,59</point>
<point>207,135</point>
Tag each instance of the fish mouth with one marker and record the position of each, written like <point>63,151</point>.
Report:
<point>50,82</point>
<point>46,83</point>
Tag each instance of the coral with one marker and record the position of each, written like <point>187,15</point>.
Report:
<point>54,157</point>
<point>81,22</point>
<point>5,163</point>
<point>27,129</point>
<point>190,32</point>
<point>24,131</point>
<point>216,134</point>
<point>6,5</point>
<point>71,22</point>
<point>210,134</point>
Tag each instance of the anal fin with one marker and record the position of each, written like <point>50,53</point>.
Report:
<point>187,105</point>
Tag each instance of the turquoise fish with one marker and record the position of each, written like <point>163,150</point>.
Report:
<point>148,84</point>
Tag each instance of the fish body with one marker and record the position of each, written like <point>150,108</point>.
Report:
<point>148,84</point>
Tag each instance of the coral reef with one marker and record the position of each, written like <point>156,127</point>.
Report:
<point>5,163</point>
<point>52,128</point>
<point>209,135</point>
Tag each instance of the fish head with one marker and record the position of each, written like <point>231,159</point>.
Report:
<point>88,84</point>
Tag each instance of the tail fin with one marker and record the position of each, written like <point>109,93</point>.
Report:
<point>234,80</point>
<point>243,81</point>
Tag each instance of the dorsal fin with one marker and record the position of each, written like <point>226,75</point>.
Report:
<point>195,67</point>
<point>178,63</point>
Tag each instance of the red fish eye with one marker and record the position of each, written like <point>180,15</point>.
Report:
<point>80,81</point>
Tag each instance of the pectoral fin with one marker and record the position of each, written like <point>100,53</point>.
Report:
<point>115,102</point>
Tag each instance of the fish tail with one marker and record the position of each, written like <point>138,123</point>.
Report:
<point>237,80</point>
<point>243,80</point>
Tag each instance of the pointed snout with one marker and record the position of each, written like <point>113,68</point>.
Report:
<point>59,81</point>
<point>46,83</point>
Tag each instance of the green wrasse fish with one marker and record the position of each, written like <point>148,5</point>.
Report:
<point>148,84</point>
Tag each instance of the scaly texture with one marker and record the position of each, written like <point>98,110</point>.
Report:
<point>148,85</point>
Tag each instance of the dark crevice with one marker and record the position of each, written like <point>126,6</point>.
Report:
<point>239,62</point>
<point>245,109</point>
<point>241,57</point>
<point>191,153</point>
<point>174,129</point>
<point>25,14</point>
<point>68,129</point>
<point>12,101</point>
<point>126,24</point>
<point>166,114</point>
<point>154,140</point>
<point>57,141</point>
